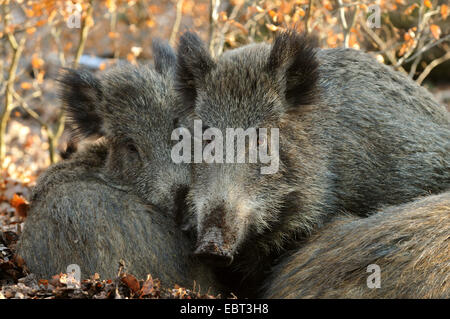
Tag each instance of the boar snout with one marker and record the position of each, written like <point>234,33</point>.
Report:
<point>212,249</point>
<point>216,240</point>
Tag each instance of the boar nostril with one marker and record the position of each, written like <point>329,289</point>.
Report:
<point>213,254</point>
<point>216,260</point>
<point>219,260</point>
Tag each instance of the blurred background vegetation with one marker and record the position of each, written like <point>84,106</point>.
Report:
<point>39,37</point>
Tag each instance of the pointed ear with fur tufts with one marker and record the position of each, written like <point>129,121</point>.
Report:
<point>163,55</point>
<point>293,59</point>
<point>81,95</point>
<point>194,62</point>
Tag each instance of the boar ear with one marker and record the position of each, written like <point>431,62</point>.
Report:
<point>293,58</point>
<point>164,56</point>
<point>81,94</point>
<point>194,62</point>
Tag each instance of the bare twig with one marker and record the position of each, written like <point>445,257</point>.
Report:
<point>308,15</point>
<point>431,66</point>
<point>422,22</point>
<point>412,70</point>
<point>347,26</point>
<point>176,24</point>
<point>342,14</point>
<point>83,34</point>
<point>213,24</point>
<point>55,31</point>
<point>427,47</point>
<point>226,27</point>
<point>17,49</point>
<point>383,46</point>
<point>54,135</point>
<point>30,111</point>
<point>113,28</point>
<point>45,126</point>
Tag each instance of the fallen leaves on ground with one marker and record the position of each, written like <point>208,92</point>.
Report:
<point>16,282</point>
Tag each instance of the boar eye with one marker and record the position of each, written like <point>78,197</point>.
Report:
<point>209,140</point>
<point>132,148</point>
<point>262,139</point>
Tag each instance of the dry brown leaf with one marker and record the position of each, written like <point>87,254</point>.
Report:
<point>131,282</point>
<point>19,261</point>
<point>435,30</point>
<point>21,205</point>
<point>43,282</point>
<point>147,287</point>
<point>411,8</point>
<point>327,5</point>
<point>36,62</point>
<point>223,16</point>
<point>26,85</point>
<point>113,35</point>
<point>31,30</point>
<point>444,11</point>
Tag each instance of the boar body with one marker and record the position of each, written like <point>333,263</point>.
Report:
<point>355,135</point>
<point>78,217</point>
<point>409,243</point>
<point>121,197</point>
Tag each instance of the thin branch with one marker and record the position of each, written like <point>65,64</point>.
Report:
<point>83,34</point>
<point>17,49</point>
<point>113,28</point>
<point>423,20</point>
<point>342,14</point>
<point>414,66</point>
<point>383,46</point>
<point>427,47</point>
<point>308,15</point>
<point>358,3</point>
<point>36,116</point>
<point>55,33</point>
<point>54,135</point>
<point>347,26</point>
<point>213,23</point>
<point>176,24</point>
<point>30,111</point>
<point>226,27</point>
<point>431,66</point>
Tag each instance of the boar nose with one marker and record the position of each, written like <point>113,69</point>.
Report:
<point>212,249</point>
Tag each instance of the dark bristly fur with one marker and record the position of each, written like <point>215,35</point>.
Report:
<point>190,70</point>
<point>79,92</point>
<point>364,136</point>
<point>166,58</point>
<point>98,207</point>
<point>299,67</point>
<point>410,243</point>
